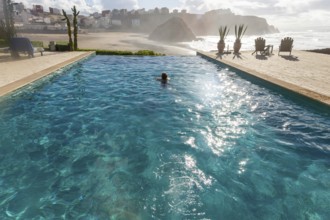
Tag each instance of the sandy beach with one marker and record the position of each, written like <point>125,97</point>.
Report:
<point>116,41</point>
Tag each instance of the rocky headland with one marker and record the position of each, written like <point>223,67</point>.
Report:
<point>209,23</point>
<point>173,30</point>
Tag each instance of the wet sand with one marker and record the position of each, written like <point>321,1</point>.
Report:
<point>116,41</point>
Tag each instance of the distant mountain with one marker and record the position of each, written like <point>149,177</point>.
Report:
<point>173,30</point>
<point>209,23</point>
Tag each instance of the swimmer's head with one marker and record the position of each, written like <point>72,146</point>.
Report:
<point>164,76</point>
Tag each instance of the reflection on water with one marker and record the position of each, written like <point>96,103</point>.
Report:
<point>104,140</point>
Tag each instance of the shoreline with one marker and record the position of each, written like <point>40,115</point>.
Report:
<point>122,41</point>
<point>126,41</point>
<point>322,51</point>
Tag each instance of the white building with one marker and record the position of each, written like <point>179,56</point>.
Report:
<point>18,7</point>
<point>26,16</point>
<point>96,15</point>
<point>1,10</point>
<point>54,11</point>
<point>136,22</point>
<point>141,11</point>
<point>47,20</point>
<point>116,22</point>
<point>164,10</point>
<point>104,22</point>
<point>88,21</point>
<point>151,11</point>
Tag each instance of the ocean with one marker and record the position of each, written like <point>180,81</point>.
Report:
<point>303,40</point>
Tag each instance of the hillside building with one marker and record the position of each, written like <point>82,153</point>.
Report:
<point>54,11</point>
<point>38,9</point>
<point>2,16</point>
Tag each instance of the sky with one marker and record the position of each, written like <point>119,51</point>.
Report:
<point>283,14</point>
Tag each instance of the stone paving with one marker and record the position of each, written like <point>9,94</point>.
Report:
<point>15,73</point>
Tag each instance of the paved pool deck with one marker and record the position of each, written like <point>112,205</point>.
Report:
<point>303,72</point>
<point>16,73</point>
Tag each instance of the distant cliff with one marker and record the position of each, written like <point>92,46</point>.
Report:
<point>209,23</point>
<point>173,30</point>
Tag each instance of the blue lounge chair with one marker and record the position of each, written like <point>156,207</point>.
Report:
<point>22,44</point>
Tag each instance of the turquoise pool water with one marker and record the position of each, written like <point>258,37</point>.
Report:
<point>105,140</point>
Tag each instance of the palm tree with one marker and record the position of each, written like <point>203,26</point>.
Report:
<point>223,32</point>
<point>239,33</point>
<point>68,24</point>
<point>7,28</point>
<point>75,27</point>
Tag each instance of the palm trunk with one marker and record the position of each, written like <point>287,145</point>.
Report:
<point>68,24</point>
<point>75,28</point>
<point>8,25</point>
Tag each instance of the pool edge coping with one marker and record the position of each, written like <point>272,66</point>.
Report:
<point>13,86</point>
<point>320,98</point>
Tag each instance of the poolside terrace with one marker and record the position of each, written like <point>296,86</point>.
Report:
<point>16,73</point>
<point>305,73</point>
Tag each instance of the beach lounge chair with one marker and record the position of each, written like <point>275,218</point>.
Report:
<point>22,44</point>
<point>260,45</point>
<point>286,45</point>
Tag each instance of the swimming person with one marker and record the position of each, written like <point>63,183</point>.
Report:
<point>163,78</point>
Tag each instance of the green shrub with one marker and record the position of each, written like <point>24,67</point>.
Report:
<point>113,52</point>
<point>146,53</point>
<point>37,43</point>
<point>124,53</point>
<point>3,43</point>
<point>62,47</point>
<point>62,42</point>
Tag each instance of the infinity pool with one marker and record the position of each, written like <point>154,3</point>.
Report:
<point>104,140</point>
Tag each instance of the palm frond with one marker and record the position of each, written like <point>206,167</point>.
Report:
<point>223,32</point>
<point>240,31</point>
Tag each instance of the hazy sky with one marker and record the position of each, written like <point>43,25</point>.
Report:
<point>284,14</point>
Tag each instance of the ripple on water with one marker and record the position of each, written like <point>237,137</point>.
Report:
<point>104,139</point>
